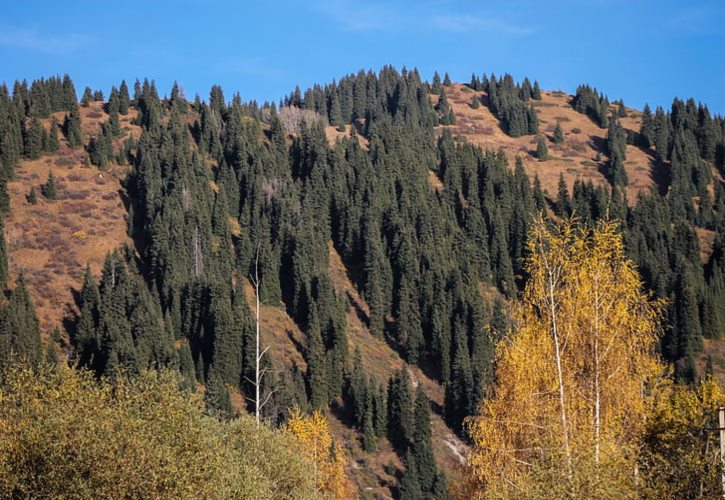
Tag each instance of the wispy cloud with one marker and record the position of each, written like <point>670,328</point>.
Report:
<point>252,67</point>
<point>465,23</point>
<point>60,44</point>
<point>350,15</point>
<point>356,16</point>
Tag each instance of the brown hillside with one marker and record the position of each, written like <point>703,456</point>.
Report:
<point>51,242</point>
<point>575,157</point>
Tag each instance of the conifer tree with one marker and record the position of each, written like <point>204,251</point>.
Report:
<point>53,142</point>
<point>475,102</point>
<point>421,446</point>
<point>72,128</point>
<point>123,98</point>
<point>33,140</point>
<point>447,80</point>
<point>32,197</point>
<point>49,188</point>
<point>409,484</point>
<point>436,86</point>
<point>558,134</point>
<point>536,92</point>
<point>19,327</point>
<point>400,410</point>
<point>542,151</point>
<point>445,112</point>
<point>87,97</point>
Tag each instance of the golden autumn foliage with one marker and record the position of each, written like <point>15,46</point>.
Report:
<point>325,458</point>
<point>65,435</point>
<point>575,377</point>
<point>680,458</point>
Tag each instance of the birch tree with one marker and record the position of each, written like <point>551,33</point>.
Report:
<point>574,377</point>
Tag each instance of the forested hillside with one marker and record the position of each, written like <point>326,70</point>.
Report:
<point>385,220</point>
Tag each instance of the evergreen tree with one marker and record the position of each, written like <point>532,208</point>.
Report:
<point>72,128</point>
<point>542,151</point>
<point>536,92</point>
<point>123,98</point>
<point>558,134</point>
<point>32,197</point>
<point>87,97</point>
<point>400,410</point>
<point>445,112</point>
<point>53,141</point>
<point>19,327</point>
<point>409,484</point>
<point>421,447</point>
<point>33,140</point>
<point>49,189</point>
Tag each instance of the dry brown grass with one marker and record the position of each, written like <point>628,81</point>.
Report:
<point>480,126</point>
<point>41,240</point>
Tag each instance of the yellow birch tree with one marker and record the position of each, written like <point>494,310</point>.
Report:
<point>574,377</point>
<point>324,456</point>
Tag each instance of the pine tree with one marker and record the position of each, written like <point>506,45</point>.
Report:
<point>536,92</point>
<point>409,484</point>
<point>87,97</point>
<point>447,80</point>
<point>19,328</point>
<point>542,151</point>
<point>558,134</point>
<point>422,447</point>
<point>400,410</point>
<point>33,140</point>
<point>32,197</point>
<point>436,87</point>
<point>49,188</point>
<point>53,141</point>
<point>475,102</point>
<point>123,98</point>
<point>72,128</point>
<point>445,112</point>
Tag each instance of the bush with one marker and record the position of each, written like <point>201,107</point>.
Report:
<point>64,434</point>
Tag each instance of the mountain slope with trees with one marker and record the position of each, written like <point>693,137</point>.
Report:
<point>372,218</point>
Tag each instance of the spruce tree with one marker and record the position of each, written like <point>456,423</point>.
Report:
<point>32,197</point>
<point>72,128</point>
<point>33,140</point>
<point>475,102</point>
<point>409,484</point>
<point>558,134</point>
<point>49,188</point>
<point>19,327</point>
<point>542,151</point>
<point>422,447</point>
<point>400,410</point>
<point>87,97</point>
<point>53,141</point>
<point>536,92</point>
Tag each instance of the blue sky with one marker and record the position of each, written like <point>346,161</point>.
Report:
<point>638,50</point>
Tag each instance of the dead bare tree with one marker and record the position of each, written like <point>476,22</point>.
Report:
<point>258,372</point>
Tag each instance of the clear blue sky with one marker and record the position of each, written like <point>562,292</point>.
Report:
<point>638,50</point>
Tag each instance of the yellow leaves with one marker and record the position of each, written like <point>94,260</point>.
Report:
<point>326,458</point>
<point>570,400</point>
